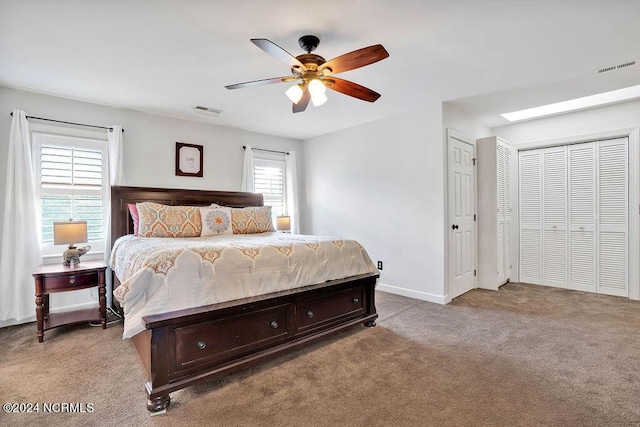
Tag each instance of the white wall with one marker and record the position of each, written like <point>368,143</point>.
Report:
<point>149,149</point>
<point>584,122</point>
<point>381,183</point>
<point>461,122</point>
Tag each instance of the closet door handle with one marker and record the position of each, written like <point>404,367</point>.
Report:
<point>454,227</point>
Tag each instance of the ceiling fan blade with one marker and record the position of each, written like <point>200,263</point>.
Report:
<point>351,89</point>
<point>262,82</point>
<point>277,52</point>
<point>304,101</point>
<point>356,59</point>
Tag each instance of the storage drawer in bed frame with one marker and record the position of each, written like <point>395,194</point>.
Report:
<point>182,348</point>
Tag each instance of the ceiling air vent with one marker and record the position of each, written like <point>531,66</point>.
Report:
<point>617,67</point>
<point>214,112</point>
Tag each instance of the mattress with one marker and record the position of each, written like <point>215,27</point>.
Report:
<point>161,275</point>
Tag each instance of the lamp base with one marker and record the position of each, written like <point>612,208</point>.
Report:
<point>73,254</point>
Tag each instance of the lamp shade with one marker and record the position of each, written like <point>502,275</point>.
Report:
<point>283,223</point>
<point>70,232</point>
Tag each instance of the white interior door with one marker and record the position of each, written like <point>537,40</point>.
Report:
<point>462,240</point>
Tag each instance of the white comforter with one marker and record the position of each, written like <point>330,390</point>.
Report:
<point>160,275</point>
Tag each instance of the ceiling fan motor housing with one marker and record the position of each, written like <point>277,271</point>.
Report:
<point>309,43</point>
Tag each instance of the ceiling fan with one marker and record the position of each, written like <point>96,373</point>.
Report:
<point>315,74</point>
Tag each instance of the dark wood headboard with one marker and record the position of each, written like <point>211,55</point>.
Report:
<point>121,222</point>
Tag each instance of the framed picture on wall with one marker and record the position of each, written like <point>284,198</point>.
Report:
<point>189,159</point>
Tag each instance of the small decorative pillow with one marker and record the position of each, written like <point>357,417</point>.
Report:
<point>158,220</point>
<point>215,221</point>
<point>251,220</point>
<point>133,211</point>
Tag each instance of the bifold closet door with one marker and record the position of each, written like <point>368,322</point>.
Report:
<point>582,217</point>
<point>574,216</point>
<point>506,209</point>
<point>530,183</point>
<point>612,221</point>
<point>554,218</point>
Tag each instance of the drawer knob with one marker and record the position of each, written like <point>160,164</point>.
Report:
<point>274,324</point>
<point>72,280</point>
<point>309,314</point>
<point>355,300</point>
<point>201,345</point>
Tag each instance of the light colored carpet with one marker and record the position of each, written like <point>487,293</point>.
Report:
<point>524,355</point>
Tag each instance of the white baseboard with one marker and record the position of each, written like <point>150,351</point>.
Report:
<point>11,322</point>
<point>424,296</point>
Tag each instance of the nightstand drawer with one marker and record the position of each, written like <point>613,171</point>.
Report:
<point>72,281</point>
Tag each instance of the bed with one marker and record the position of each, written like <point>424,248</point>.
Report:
<point>179,348</point>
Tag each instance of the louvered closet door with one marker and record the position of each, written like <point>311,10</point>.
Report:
<point>554,240</point>
<point>506,204</point>
<point>582,217</point>
<point>500,230</point>
<point>530,165</point>
<point>612,193</point>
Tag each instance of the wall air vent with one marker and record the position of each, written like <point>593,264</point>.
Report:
<point>214,112</point>
<point>617,67</point>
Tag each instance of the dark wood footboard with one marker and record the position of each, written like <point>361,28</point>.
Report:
<point>183,348</point>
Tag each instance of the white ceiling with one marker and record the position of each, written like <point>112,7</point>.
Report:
<point>164,57</point>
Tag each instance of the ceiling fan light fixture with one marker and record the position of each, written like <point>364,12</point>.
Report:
<point>318,99</point>
<point>294,93</point>
<point>317,90</point>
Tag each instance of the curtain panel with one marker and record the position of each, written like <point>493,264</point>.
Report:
<point>21,252</point>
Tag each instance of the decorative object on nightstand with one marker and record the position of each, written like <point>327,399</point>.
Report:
<point>70,233</point>
<point>56,278</point>
<point>283,223</point>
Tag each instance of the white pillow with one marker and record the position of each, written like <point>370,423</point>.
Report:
<point>215,221</point>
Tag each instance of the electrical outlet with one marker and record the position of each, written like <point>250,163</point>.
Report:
<point>379,265</point>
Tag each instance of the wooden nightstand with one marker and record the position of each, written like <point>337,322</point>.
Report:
<point>59,278</point>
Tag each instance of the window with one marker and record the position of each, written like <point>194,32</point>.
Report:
<point>70,183</point>
<point>269,179</point>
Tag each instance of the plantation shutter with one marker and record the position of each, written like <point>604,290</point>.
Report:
<point>269,180</point>
<point>71,187</point>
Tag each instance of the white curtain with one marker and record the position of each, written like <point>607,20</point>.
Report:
<point>115,176</point>
<point>247,171</point>
<point>20,253</point>
<point>292,191</point>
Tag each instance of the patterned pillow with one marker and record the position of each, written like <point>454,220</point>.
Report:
<point>251,220</point>
<point>216,221</point>
<point>158,220</point>
<point>133,210</point>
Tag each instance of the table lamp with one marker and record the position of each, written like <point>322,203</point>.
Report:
<point>283,223</point>
<point>69,233</point>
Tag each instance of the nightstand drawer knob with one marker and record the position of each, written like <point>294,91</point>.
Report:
<point>201,345</point>
<point>72,280</point>
<point>355,300</point>
<point>309,314</point>
<point>274,324</point>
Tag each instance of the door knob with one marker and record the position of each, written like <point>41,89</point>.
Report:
<point>454,227</point>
